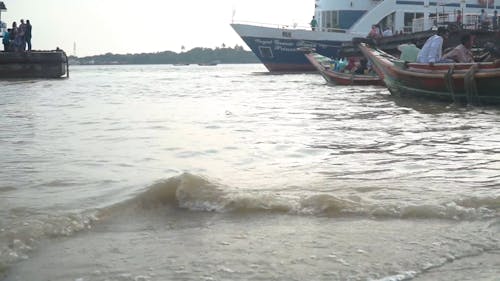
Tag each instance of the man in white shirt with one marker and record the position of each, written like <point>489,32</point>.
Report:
<point>387,32</point>
<point>432,51</point>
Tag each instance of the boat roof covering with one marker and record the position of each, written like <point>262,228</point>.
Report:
<point>2,6</point>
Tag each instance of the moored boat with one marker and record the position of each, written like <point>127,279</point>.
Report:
<point>472,83</point>
<point>324,67</point>
<point>340,21</point>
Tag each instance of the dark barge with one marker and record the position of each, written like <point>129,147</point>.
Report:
<point>34,64</point>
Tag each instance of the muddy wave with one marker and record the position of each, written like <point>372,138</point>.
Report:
<point>196,193</point>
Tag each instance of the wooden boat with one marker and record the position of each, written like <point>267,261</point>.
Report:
<point>473,83</point>
<point>322,64</point>
<point>33,64</point>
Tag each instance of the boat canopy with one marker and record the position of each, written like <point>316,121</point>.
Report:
<point>2,6</point>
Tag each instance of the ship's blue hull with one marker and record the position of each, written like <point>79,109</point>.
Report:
<point>283,55</point>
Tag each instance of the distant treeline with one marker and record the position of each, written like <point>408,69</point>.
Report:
<point>194,56</point>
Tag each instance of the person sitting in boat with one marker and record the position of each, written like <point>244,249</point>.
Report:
<point>409,52</point>
<point>432,51</point>
<point>362,67</point>
<point>351,65</point>
<point>462,53</point>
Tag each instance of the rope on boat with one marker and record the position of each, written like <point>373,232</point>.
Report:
<point>448,80</point>
<point>470,85</point>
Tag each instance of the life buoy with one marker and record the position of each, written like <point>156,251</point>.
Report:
<point>484,3</point>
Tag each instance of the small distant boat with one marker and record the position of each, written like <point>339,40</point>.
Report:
<point>212,63</point>
<point>323,65</point>
<point>472,83</point>
<point>34,64</point>
<point>181,64</point>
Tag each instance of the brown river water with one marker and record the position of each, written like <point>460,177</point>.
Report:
<point>230,173</point>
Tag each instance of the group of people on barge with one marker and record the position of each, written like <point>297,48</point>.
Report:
<point>18,38</point>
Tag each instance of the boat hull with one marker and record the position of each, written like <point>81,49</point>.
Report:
<point>278,49</point>
<point>475,83</point>
<point>35,64</point>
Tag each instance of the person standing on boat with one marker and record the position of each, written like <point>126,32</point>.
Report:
<point>459,18</point>
<point>432,51</point>
<point>27,34</point>
<point>374,32</point>
<point>313,23</point>
<point>483,20</point>
<point>6,40</point>
<point>462,53</point>
<point>20,39</point>
<point>13,35</point>
<point>494,20</point>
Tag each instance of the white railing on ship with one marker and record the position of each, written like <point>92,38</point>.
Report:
<point>470,21</point>
<point>292,26</point>
<point>274,25</point>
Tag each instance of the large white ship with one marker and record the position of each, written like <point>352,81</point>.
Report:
<point>341,20</point>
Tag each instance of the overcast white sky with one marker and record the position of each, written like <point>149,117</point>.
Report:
<point>127,26</point>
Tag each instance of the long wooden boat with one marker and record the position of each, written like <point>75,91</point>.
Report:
<point>322,64</point>
<point>33,64</point>
<point>472,83</point>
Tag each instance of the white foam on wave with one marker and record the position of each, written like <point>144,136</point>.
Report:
<point>408,275</point>
<point>21,236</point>
<point>196,193</point>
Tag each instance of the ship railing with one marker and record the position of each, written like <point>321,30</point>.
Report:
<point>293,26</point>
<point>273,25</point>
<point>469,21</point>
<point>330,29</point>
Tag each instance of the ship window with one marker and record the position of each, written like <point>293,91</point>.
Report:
<point>266,52</point>
<point>409,17</point>
<point>329,19</point>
